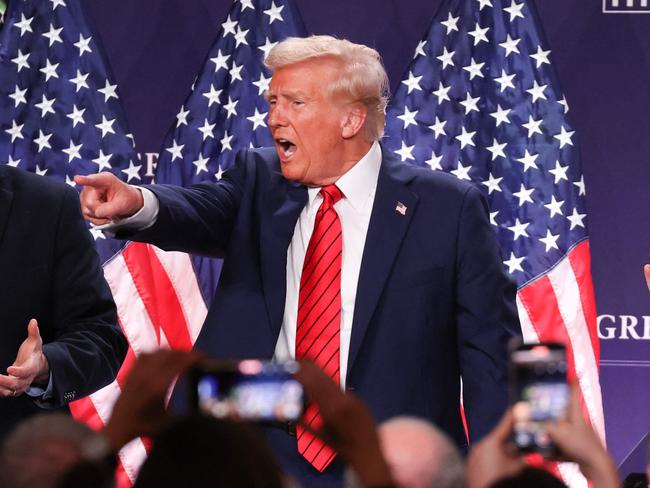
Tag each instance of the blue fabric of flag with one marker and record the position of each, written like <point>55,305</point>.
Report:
<point>481,100</point>
<point>226,110</point>
<point>60,113</point>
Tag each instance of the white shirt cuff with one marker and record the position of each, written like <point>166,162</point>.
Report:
<point>141,220</point>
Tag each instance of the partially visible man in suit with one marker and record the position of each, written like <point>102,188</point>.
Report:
<point>387,276</point>
<point>59,337</point>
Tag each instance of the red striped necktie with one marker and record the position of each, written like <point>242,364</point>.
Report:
<point>319,316</point>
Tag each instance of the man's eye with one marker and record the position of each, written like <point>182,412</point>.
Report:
<point>298,103</point>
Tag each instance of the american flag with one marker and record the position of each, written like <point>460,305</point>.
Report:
<point>226,110</point>
<point>482,101</point>
<point>167,293</point>
<point>61,116</point>
<point>60,113</point>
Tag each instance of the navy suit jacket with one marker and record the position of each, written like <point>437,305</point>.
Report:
<point>50,271</point>
<point>432,304</point>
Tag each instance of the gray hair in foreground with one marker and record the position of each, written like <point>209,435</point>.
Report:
<point>41,449</point>
<point>363,77</point>
<point>420,455</point>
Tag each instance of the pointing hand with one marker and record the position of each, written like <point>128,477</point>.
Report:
<point>105,198</point>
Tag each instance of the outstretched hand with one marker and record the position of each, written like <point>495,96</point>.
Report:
<point>140,410</point>
<point>105,198</point>
<point>30,365</point>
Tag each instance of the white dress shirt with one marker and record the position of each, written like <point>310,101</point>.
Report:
<point>358,186</point>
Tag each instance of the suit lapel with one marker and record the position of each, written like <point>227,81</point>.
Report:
<point>6,198</point>
<point>285,200</point>
<point>392,211</point>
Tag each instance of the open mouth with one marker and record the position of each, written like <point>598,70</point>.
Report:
<point>286,148</point>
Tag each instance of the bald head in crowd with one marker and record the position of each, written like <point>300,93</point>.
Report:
<point>419,455</point>
<point>41,450</point>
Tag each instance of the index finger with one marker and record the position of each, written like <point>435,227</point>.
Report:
<point>84,180</point>
<point>94,180</point>
<point>9,382</point>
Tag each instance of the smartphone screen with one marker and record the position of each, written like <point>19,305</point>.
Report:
<point>250,390</point>
<point>539,393</point>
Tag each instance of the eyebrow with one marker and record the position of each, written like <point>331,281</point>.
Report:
<point>286,94</point>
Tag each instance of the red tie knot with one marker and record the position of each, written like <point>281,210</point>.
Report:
<point>331,194</point>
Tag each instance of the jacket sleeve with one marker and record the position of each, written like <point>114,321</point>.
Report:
<point>486,315</point>
<point>88,346</point>
<point>198,219</point>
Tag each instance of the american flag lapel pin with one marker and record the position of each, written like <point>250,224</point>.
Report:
<point>400,208</point>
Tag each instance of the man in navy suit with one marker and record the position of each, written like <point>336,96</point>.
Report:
<point>59,336</point>
<point>418,296</point>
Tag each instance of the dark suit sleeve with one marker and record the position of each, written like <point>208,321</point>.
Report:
<point>88,346</point>
<point>198,219</point>
<point>486,317</point>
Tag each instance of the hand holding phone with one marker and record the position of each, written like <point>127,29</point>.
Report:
<point>577,442</point>
<point>252,390</point>
<point>539,394</point>
<point>493,457</point>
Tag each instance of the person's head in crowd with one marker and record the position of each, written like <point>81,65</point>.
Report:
<point>419,455</point>
<point>193,451</point>
<point>327,102</point>
<point>40,451</point>
<point>635,480</point>
<point>530,477</point>
<point>203,451</point>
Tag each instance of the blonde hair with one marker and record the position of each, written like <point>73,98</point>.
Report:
<point>363,77</point>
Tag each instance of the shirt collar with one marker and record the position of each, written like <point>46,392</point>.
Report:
<point>359,181</point>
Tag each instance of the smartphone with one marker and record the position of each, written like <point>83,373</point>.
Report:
<point>539,393</point>
<point>250,390</point>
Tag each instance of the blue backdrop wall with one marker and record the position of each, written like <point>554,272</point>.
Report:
<point>602,55</point>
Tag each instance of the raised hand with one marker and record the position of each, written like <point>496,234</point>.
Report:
<point>30,366</point>
<point>577,442</point>
<point>140,410</point>
<point>494,457</point>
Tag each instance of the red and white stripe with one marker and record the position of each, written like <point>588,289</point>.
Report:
<point>159,304</point>
<point>559,306</point>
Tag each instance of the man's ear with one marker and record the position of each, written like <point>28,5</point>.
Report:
<point>354,120</point>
